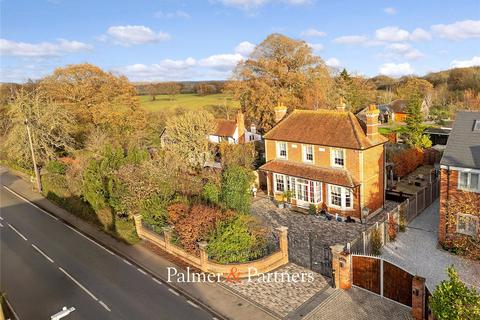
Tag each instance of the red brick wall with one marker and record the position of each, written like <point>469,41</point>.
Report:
<point>448,188</point>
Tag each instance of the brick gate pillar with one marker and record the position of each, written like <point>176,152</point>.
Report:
<point>138,224</point>
<point>203,256</point>
<point>418,297</point>
<point>283,241</point>
<point>167,234</point>
<point>342,267</point>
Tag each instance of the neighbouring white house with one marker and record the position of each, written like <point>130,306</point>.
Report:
<point>233,131</point>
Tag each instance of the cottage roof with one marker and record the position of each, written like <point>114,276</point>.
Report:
<point>323,127</point>
<point>225,128</point>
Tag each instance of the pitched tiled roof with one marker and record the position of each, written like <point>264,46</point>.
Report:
<point>463,146</point>
<point>399,106</point>
<point>335,176</point>
<point>225,128</point>
<point>323,127</point>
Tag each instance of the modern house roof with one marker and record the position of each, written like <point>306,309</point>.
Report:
<point>323,127</point>
<point>335,176</point>
<point>463,146</point>
<point>225,128</point>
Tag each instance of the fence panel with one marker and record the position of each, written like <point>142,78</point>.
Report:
<point>366,273</point>
<point>397,284</point>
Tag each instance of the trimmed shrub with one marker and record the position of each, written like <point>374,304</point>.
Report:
<point>237,240</point>
<point>211,193</point>
<point>56,167</point>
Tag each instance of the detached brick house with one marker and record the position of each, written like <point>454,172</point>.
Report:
<point>460,172</point>
<point>326,158</point>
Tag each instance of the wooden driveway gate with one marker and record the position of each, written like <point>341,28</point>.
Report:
<point>383,278</point>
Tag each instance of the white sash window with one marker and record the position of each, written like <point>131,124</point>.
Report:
<point>340,197</point>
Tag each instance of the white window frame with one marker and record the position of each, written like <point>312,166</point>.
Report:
<point>344,191</point>
<point>467,230</point>
<point>278,175</point>
<point>304,153</point>
<point>469,187</point>
<point>279,156</point>
<point>333,157</point>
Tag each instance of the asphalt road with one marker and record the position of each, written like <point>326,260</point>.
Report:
<point>45,265</point>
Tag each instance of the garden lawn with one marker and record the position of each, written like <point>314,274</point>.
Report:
<point>188,101</point>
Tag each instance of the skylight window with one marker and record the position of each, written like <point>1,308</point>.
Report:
<point>476,126</point>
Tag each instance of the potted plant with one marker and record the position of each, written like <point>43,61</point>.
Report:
<point>287,197</point>
<point>312,209</point>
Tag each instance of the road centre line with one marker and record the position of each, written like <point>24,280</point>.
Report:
<point>104,305</point>
<point>18,232</point>
<point>42,253</point>
<point>78,284</point>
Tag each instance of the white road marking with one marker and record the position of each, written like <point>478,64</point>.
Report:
<point>1,218</point>
<point>173,291</point>
<point>192,304</point>
<point>18,232</point>
<point>78,284</point>
<point>214,318</point>
<point>142,271</point>
<point>157,281</point>
<point>29,202</point>
<point>127,262</point>
<point>42,253</point>
<point>92,241</point>
<point>104,305</point>
<point>1,225</point>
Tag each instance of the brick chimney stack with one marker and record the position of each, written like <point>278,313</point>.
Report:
<point>280,112</point>
<point>240,120</point>
<point>372,121</point>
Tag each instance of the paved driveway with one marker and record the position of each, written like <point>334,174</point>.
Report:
<point>417,251</point>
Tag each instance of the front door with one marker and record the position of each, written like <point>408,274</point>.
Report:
<point>303,192</point>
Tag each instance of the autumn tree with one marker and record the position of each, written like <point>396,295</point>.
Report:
<point>172,89</point>
<point>281,70</point>
<point>97,99</point>
<point>356,91</point>
<point>50,126</point>
<point>152,90</point>
<point>187,136</point>
<point>415,87</point>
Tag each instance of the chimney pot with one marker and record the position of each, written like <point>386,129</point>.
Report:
<point>280,112</point>
<point>372,121</point>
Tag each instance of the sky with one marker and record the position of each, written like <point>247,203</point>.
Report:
<point>164,40</point>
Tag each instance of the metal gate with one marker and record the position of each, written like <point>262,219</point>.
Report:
<point>383,278</point>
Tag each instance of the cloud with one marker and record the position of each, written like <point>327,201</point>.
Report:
<point>170,15</point>
<point>223,62</point>
<point>217,66</point>
<point>475,61</point>
<point>312,33</point>
<point>390,10</point>
<point>403,51</point>
<point>245,48</point>
<point>393,34</point>
<point>333,63</point>
<point>353,39</point>
<point>459,30</point>
<point>316,46</point>
<point>396,70</point>
<point>131,35</point>
<point>420,34</point>
<point>43,49</point>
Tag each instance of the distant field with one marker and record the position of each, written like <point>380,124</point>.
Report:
<point>187,101</point>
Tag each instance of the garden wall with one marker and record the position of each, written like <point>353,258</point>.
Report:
<point>266,264</point>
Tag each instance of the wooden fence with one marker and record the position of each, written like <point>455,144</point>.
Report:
<point>202,262</point>
<point>402,214</point>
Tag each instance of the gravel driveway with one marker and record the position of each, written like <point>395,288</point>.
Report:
<point>417,251</point>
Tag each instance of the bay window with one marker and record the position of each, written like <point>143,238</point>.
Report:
<point>340,197</point>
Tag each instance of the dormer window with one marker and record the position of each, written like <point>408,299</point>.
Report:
<point>307,153</point>
<point>338,158</point>
<point>282,150</point>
